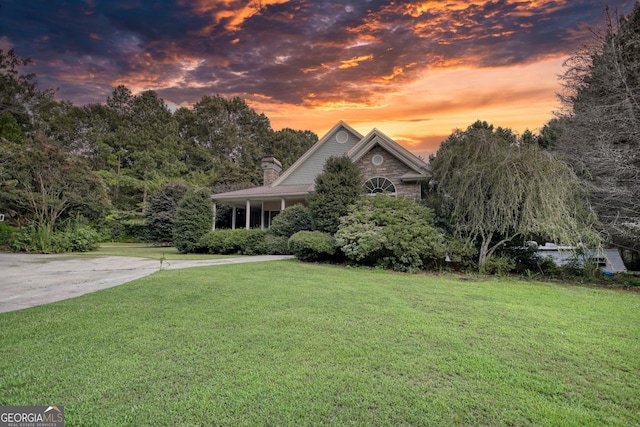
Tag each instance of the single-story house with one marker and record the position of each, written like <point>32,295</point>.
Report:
<point>386,167</point>
<point>608,260</point>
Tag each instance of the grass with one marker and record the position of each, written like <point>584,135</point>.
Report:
<point>145,250</point>
<point>287,343</point>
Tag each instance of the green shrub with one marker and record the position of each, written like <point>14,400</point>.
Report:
<point>194,218</point>
<point>32,238</point>
<point>6,234</point>
<point>312,246</point>
<point>393,233</point>
<point>83,239</point>
<point>498,265</point>
<point>245,242</point>
<point>240,242</point>
<point>37,239</point>
<point>460,255</point>
<point>120,226</point>
<point>212,242</point>
<point>277,245</point>
<point>291,220</point>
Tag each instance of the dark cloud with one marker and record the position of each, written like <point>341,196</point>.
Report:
<point>298,52</point>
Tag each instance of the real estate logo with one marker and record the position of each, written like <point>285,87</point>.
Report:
<point>31,416</point>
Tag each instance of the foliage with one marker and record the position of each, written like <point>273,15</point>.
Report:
<point>35,238</point>
<point>336,188</point>
<point>461,254</point>
<point>498,265</point>
<point>43,183</point>
<point>489,187</point>
<point>599,128</point>
<point>194,218</point>
<point>161,212</point>
<point>225,138</point>
<point>234,242</point>
<point>20,98</point>
<point>312,246</point>
<point>277,245</point>
<point>131,145</point>
<point>287,145</point>
<point>389,232</point>
<point>124,226</point>
<point>6,234</point>
<point>288,222</point>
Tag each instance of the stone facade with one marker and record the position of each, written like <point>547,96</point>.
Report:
<point>390,168</point>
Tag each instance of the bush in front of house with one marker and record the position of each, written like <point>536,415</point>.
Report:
<point>312,246</point>
<point>234,242</point>
<point>392,233</point>
<point>336,188</point>
<point>291,220</point>
<point>194,218</point>
<point>288,222</point>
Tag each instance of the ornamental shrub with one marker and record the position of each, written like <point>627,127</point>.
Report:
<point>291,220</point>
<point>161,212</point>
<point>392,233</point>
<point>277,245</point>
<point>194,218</point>
<point>227,242</point>
<point>312,246</point>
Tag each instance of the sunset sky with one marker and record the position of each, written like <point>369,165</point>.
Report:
<point>416,70</point>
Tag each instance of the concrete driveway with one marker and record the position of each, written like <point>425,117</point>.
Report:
<point>29,280</point>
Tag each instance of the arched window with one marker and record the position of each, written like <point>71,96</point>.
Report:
<point>380,184</point>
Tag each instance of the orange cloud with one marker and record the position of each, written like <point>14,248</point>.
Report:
<point>355,61</point>
<point>230,12</point>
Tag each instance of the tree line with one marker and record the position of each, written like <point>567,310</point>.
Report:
<point>58,161</point>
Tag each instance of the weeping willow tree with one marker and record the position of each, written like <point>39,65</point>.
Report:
<point>494,190</point>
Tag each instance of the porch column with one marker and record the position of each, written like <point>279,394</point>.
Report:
<point>233,218</point>
<point>282,203</point>
<point>215,212</point>
<point>248,219</point>
<point>262,216</point>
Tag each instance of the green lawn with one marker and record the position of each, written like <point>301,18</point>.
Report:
<point>287,343</point>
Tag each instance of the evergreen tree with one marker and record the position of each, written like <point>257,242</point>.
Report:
<point>161,213</point>
<point>194,218</point>
<point>338,186</point>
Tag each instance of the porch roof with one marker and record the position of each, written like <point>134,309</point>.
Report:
<point>265,193</point>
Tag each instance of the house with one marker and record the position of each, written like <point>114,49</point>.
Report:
<point>608,260</point>
<point>385,165</point>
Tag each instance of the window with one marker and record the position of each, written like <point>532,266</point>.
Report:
<point>380,184</point>
<point>342,137</point>
<point>377,160</point>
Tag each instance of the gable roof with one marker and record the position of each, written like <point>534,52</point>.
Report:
<point>337,142</point>
<point>377,138</point>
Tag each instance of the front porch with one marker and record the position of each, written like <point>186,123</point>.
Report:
<point>261,203</point>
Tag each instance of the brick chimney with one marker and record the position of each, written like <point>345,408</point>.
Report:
<point>272,168</point>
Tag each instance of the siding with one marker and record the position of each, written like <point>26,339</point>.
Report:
<point>306,172</point>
